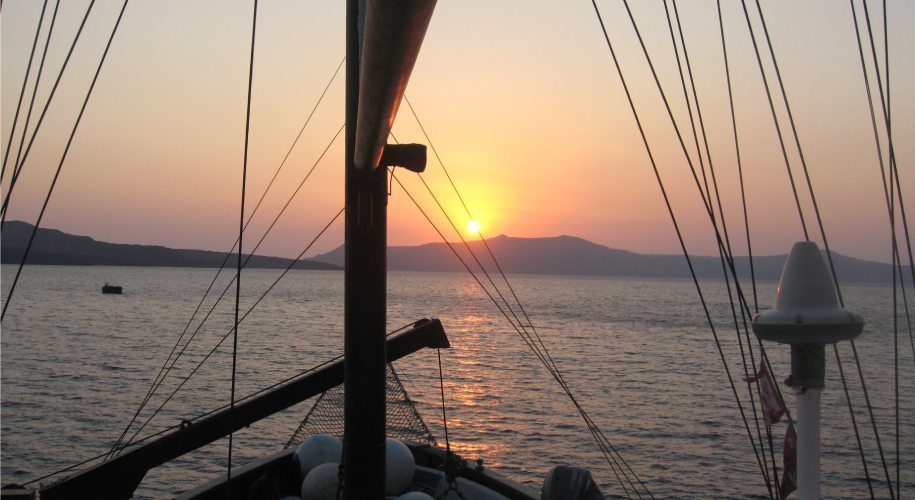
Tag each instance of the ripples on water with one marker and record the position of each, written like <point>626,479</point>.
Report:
<point>637,353</point>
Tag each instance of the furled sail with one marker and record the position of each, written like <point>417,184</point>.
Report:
<point>394,31</point>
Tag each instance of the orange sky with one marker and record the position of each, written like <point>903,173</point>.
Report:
<point>519,97</point>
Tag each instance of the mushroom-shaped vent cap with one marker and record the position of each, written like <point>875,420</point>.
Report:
<point>806,309</point>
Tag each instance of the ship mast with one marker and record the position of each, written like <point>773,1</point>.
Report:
<point>383,38</point>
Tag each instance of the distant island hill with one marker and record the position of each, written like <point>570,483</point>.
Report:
<point>559,255</point>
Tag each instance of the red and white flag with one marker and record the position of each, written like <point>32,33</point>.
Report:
<point>772,406</point>
<point>789,473</point>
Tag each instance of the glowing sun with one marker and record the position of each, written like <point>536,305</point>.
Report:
<point>473,226</point>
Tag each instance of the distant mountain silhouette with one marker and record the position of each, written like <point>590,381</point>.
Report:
<point>58,248</point>
<point>569,255</point>
<point>559,255</point>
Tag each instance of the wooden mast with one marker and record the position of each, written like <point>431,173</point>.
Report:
<point>383,40</point>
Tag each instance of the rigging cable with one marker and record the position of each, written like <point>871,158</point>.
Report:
<point>165,371</point>
<point>762,466</point>
<point>775,121</point>
<point>207,414</point>
<point>449,458</point>
<point>60,165</point>
<point>532,341</point>
<point>825,240</point>
<point>781,142</point>
<point>746,222</point>
<point>536,335</point>
<point>241,232</point>
<point>891,212</point>
<point>18,166</point>
<point>743,196</point>
<point>163,368</point>
<point>750,370</point>
<point>229,332</point>
<point>720,241</point>
<point>889,135</point>
<point>607,449</point>
<point>893,170</point>
<point>25,81</point>
<point>486,273</point>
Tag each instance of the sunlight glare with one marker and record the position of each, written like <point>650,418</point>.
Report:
<point>473,226</point>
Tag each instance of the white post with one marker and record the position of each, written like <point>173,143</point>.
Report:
<point>808,444</point>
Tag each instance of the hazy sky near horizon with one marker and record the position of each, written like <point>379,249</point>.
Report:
<point>520,99</point>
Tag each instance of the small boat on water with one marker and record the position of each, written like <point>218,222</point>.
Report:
<point>112,289</point>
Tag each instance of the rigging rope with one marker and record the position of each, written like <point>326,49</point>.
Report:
<point>241,232</point>
<point>893,175</point>
<point>763,468</point>
<point>25,81</point>
<point>670,209</point>
<point>823,236</point>
<point>775,121</point>
<point>167,368</point>
<point>495,261</point>
<point>532,341</point>
<point>60,165</point>
<point>19,165</point>
<point>607,449</point>
<point>229,332</point>
<point>207,414</point>
<point>722,252</point>
<point>156,380</point>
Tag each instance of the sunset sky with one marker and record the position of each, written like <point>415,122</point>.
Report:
<point>520,99</point>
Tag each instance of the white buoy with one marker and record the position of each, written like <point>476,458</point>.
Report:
<point>414,495</point>
<point>316,450</point>
<point>399,467</point>
<point>322,482</point>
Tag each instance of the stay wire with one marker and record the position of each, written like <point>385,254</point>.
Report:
<point>211,412</point>
<point>778,128</point>
<point>893,169</point>
<point>887,191</point>
<point>686,99</point>
<point>829,258</point>
<point>241,233</point>
<point>25,81</point>
<point>746,218</point>
<point>673,218</point>
<point>708,207</point>
<point>723,252</point>
<point>743,195</point>
<point>18,167</point>
<point>60,165</point>
<point>540,351</point>
<point>751,369</point>
<point>457,192</point>
<point>166,368</point>
<point>471,252</point>
<point>607,449</point>
<point>889,134</point>
<point>229,253</point>
<point>229,332</point>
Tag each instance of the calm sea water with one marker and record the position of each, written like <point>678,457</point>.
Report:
<point>638,354</point>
